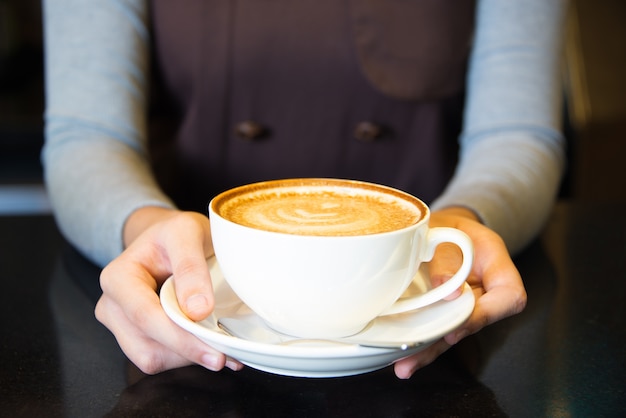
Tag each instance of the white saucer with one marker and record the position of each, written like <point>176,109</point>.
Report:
<point>319,359</point>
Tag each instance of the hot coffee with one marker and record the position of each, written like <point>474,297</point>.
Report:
<point>335,266</point>
<point>321,207</point>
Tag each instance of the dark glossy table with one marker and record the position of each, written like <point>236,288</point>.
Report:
<point>563,356</point>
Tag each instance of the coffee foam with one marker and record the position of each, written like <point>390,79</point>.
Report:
<point>324,210</point>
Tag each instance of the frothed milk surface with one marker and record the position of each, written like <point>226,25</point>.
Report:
<point>325,208</point>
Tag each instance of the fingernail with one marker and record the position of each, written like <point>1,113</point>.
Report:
<point>233,365</point>
<point>459,336</point>
<point>211,362</point>
<point>196,304</point>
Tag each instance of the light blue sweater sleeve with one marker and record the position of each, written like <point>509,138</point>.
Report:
<point>95,156</point>
<point>512,152</point>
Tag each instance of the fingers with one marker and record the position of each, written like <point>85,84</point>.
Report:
<point>130,305</point>
<point>494,271</point>
<point>491,306</point>
<point>444,265</point>
<point>146,353</point>
<point>159,347</point>
<point>497,285</point>
<point>130,308</point>
<point>406,367</point>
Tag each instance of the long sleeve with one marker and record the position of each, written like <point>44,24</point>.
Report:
<point>95,158</point>
<point>96,161</point>
<point>512,153</point>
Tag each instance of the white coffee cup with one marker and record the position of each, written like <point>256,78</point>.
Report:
<point>309,284</point>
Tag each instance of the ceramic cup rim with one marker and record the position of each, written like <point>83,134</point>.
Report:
<point>420,205</point>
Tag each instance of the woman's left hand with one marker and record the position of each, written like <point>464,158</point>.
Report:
<point>494,279</point>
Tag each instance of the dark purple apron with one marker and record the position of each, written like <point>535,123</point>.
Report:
<point>265,89</point>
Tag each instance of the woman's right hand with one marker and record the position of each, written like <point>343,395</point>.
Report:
<point>160,243</point>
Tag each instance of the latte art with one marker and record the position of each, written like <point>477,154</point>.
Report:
<point>320,210</point>
<point>313,216</point>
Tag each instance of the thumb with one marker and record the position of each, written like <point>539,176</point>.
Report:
<point>188,246</point>
<point>192,283</point>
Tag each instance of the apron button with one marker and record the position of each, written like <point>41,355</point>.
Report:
<point>368,131</point>
<point>250,130</point>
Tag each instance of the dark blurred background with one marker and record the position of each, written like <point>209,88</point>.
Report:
<point>594,93</point>
<point>21,107</point>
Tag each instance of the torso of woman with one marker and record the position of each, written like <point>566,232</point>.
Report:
<point>361,89</point>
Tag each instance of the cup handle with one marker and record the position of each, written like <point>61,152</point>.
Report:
<point>435,237</point>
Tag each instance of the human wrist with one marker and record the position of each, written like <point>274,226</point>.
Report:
<point>142,218</point>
